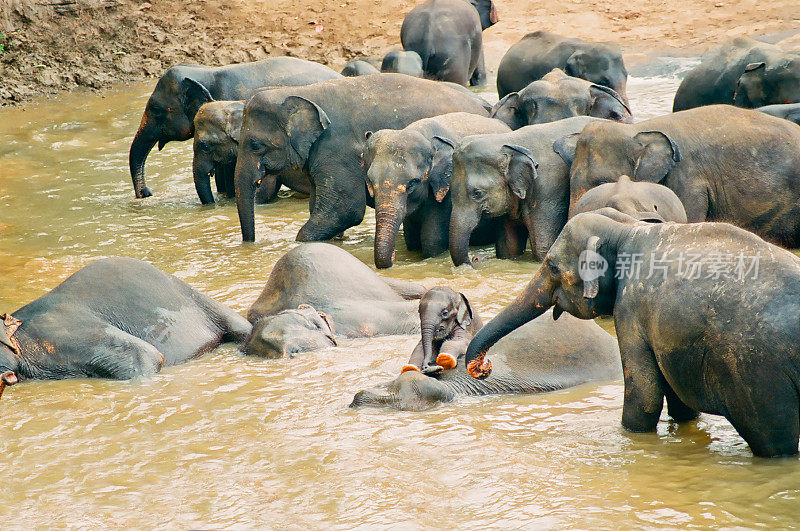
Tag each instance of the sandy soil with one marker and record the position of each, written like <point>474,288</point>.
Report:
<point>51,45</point>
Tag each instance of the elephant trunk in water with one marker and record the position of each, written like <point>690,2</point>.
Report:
<point>202,166</point>
<point>534,300</point>
<point>389,215</point>
<point>8,378</point>
<point>144,141</point>
<point>246,167</point>
<point>462,224</point>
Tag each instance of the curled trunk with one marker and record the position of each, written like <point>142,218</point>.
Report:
<point>144,141</point>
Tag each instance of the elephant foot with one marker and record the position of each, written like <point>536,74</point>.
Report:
<point>446,361</point>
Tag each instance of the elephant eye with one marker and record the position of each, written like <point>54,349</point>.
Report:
<point>445,313</point>
<point>413,183</point>
<point>255,145</point>
<point>553,268</point>
<point>204,147</point>
<point>478,194</point>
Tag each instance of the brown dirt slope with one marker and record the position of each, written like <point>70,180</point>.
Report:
<point>51,45</point>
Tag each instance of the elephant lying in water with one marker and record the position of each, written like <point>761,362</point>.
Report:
<point>544,355</point>
<point>180,92</point>
<point>347,295</point>
<point>787,111</point>
<point>557,96</point>
<point>643,201</point>
<point>714,333</point>
<point>115,318</point>
<point>402,62</point>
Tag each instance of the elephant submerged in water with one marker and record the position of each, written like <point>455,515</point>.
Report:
<point>545,355</point>
<point>115,318</point>
<point>179,93</point>
<point>644,201</point>
<point>402,62</point>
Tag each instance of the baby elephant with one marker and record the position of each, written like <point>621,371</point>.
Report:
<point>644,201</point>
<point>402,62</point>
<point>557,96</point>
<point>289,332</point>
<point>448,324</point>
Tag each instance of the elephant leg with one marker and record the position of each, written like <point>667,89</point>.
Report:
<point>412,229</point>
<point>415,362</point>
<point>770,426</point>
<point>435,236</point>
<point>267,190</point>
<point>478,78</point>
<point>511,240</point>
<point>679,411</point>
<point>122,356</point>
<point>452,348</point>
<point>644,397</point>
<point>230,189</point>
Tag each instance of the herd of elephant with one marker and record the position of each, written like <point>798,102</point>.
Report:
<point>557,164</point>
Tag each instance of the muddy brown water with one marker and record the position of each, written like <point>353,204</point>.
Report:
<point>227,441</point>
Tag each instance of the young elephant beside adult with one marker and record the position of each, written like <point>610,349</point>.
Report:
<point>354,301</point>
<point>557,96</point>
<point>517,179</point>
<point>644,201</point>
<point>359,67</point>
<point>544,355</point>
<point>179,93</point>
<point>115,318</point>
<point>540,52</point>
<point>289,332</point>
<point>447,35</point>
<point>738,66</point>
<point>402,62</point>
<point>724,164</point>
<point>408,175</point>
<point>217,127</point>
<point>319,131</point>
<point>719,336</point>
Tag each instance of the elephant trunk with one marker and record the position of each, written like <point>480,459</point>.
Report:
<point>144,141</point>
<point>534,300</point>
<point>428,326</point>
<point>246,168</point>
<point>389,215</point>
<point>202,167</point>
<point>462,223</point>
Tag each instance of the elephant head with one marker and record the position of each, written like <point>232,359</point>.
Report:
<point>441,312</point>
<point>291,331</point>
<point>604,151</point>
<point>168,116</point>
<point>649,202</point>
<point>402,62</point>
<point>405,170</point>
<point>276,138</point>
<point>489,180</point>
<point>9,350</point>
<point>557,96</point>
<point>768,84</point>
<point>486,11</point>
<point>217,127</point>
<point>576,276</point>
<point>601,64</point>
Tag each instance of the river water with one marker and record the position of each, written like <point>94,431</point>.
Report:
<point>226,441</point>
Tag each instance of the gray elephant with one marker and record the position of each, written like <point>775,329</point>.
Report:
<point>402,62</point>
<point>319,131</point>
<point>356,301</point>
<point>719,336</point>
<point>644,201</point>
<point>179,93</point>
<point>539,52</point>
<point>115,318</point>
<point>787,111</point>
<point>542,356</point>
<point>359,67</point>
<point>735,74</point>
<point>217,127</point>
<point>750,178</point>
<point>408,176</point>
<point>447,35</point>
<point>557,96</point>
<point>289,332</point>
<point>516,178</point>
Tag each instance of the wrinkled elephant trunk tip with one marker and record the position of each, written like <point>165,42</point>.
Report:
<point>480,368</point>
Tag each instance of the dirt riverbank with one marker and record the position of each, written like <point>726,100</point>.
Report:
<point>53,45</point>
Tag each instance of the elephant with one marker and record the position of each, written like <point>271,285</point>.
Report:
<point>402,62</point>
<point>517,179</point>
<point>787,111</point>
<point>179,93</point>
<point>643,201</point>
<point>408,175</point>
<point>539,52</point>
<point>557,96</point>
<point>217,127</point>
<point>359,67</point>
<point>447,35</point>
<point>735,73</point>
<point>355,300</point>
<point>319,131</point>
<point>724,163</point>
<point>116,318</point>
<point>543,355</point>
<point>717,337</point>
<point>286,333</point>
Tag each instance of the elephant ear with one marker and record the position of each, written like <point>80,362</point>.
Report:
<point>464,312</point>
<point>10,325</point>
<point>306,121</point>
<point>576,64</point>
<point>746,86</point>
<point>607,103</point>
<point>507,111</point>
<point>657,154</point>
<point>592,287</point>
<point>486,11</point>
<point>521,170</point>
<point>566,146</point>
<point>441,173</point>
<point>195,94</point>
<point>233,122</point>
